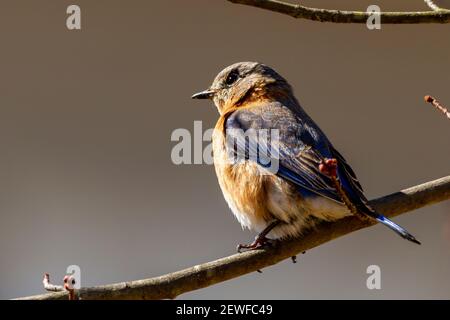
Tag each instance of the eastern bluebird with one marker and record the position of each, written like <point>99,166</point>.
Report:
<point>285,203</point>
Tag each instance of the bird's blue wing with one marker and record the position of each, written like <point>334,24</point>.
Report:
<point>301,147</point>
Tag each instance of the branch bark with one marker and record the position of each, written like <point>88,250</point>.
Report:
<point>437,15</point>
<point>172,285</point>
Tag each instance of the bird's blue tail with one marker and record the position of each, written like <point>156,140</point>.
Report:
<point>394,227</point>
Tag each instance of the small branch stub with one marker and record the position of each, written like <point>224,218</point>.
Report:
<point>50,287</point>
<point>437,105</point>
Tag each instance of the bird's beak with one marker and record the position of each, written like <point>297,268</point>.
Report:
<point>207,94</point>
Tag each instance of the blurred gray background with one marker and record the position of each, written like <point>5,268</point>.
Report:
<point>86,116</point>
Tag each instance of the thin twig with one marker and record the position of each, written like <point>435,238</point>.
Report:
<point>339,16</point>
<point>432,5</point>
<point>173,284</point>
<point>437,105</point>
<point>50,287</point>
<point>329,168</point>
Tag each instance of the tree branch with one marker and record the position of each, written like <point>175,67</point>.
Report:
<point>298,11</point>
<point>171,285</point>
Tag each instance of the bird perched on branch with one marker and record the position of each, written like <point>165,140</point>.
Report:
<point>282,200</point>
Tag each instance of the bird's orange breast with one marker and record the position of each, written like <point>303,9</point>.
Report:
<point>243,185</point>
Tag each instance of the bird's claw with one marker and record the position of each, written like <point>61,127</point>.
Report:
<point>257,244</point>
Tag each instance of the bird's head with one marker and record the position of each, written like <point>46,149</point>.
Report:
<point>244,82</point>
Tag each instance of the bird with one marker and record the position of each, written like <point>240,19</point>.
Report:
<point>300,193</point>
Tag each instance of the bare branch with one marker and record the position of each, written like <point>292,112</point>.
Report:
<point>172,285</point>
<point>339,16</point>
<point>437,105</point>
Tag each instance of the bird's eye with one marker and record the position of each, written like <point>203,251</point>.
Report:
<point>232,77</point>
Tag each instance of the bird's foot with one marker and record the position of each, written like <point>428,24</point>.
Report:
<point>260,241</point>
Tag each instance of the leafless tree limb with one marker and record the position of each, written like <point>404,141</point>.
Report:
<point>437,15</point>
<point>171,285</point>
